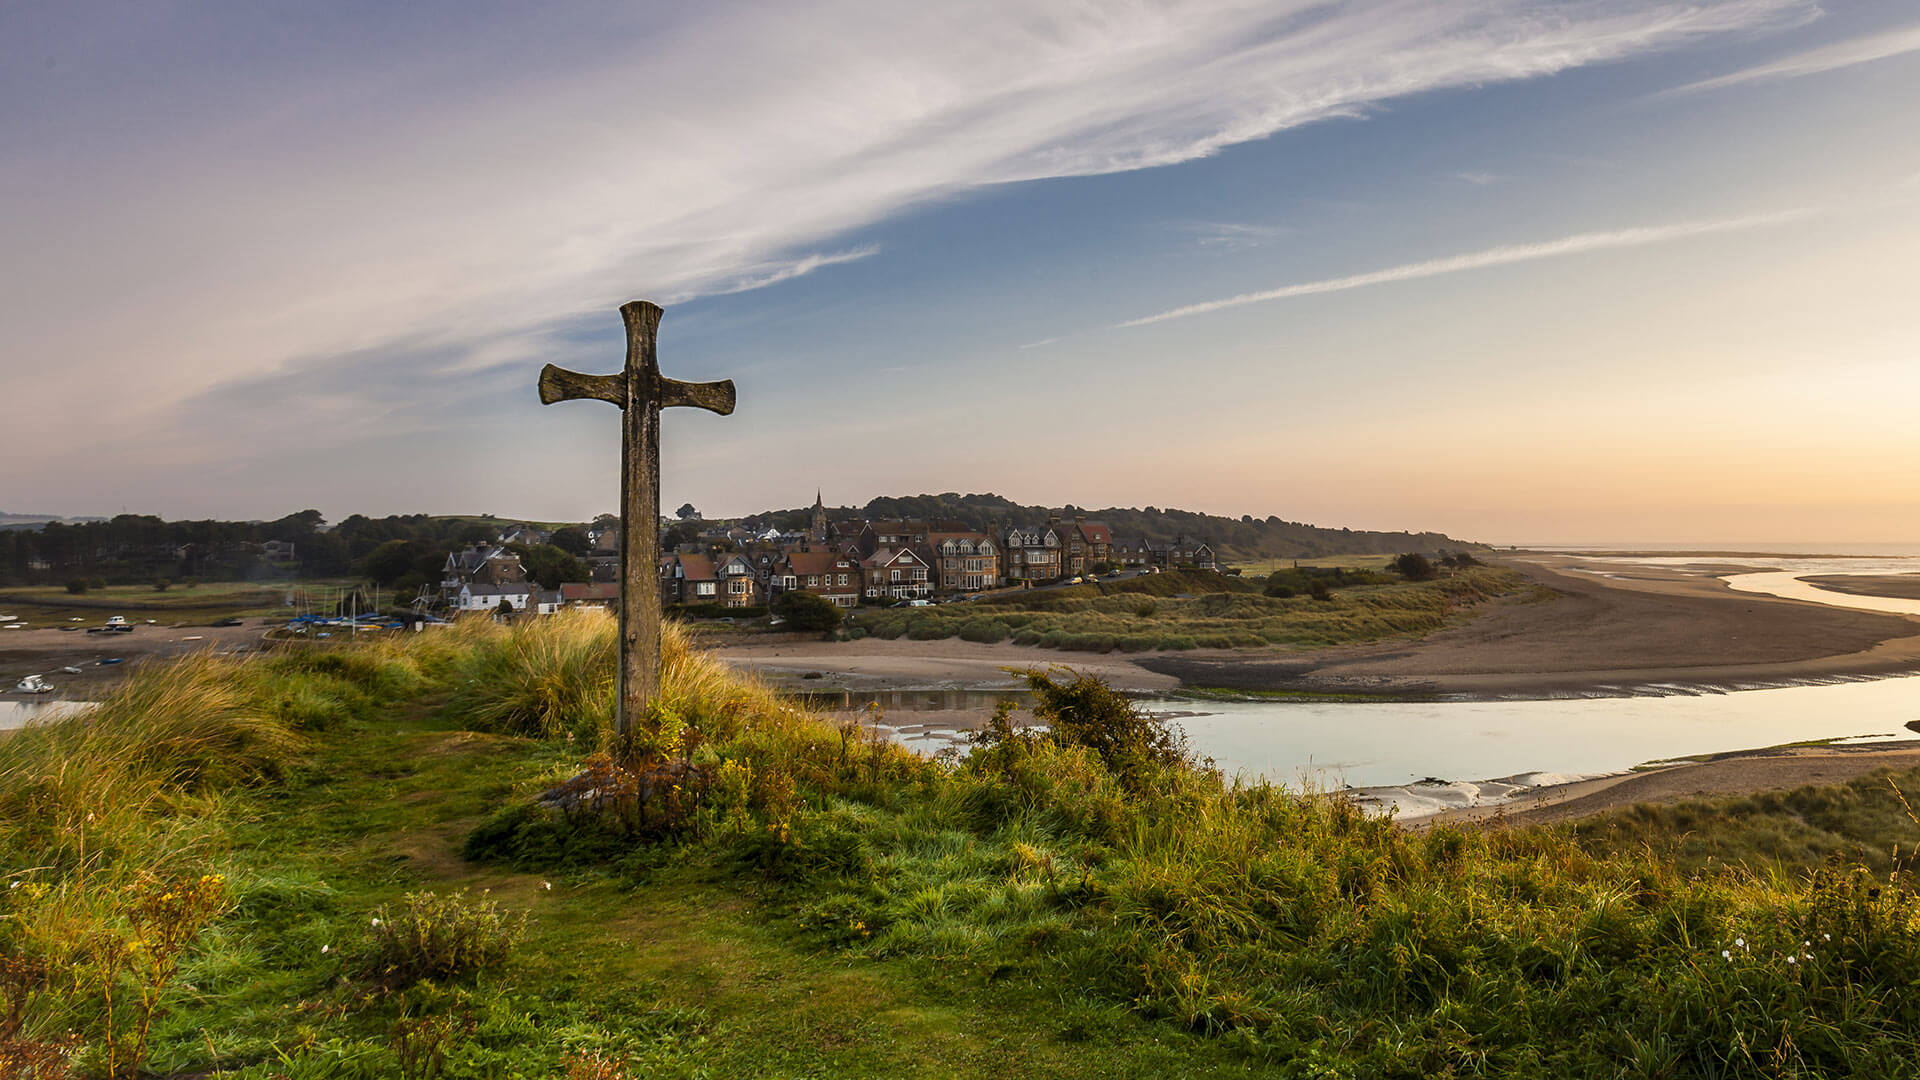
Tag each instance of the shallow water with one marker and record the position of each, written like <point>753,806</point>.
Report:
<point>20,712</point>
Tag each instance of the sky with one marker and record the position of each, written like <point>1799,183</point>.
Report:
<point>1516,270</point>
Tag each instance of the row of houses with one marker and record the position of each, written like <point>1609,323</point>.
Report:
<point>848,562</point>
<point>845,563</point>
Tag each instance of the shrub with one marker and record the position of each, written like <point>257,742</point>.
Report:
<point>1413,566</point>
<point>806,612</point>
<point>78,586</point>
<point>439,937</point>
<point>1086,712</point>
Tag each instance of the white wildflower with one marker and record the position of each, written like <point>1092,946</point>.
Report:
<point>1790,960</point>
<point>1726,954</point>
<point>325,949</point>
<point>547,885</point>
<point>1826,937</point>
<point>1740,941</point>
<point>376,924</point>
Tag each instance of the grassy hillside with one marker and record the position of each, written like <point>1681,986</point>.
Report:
<point>1199,610</point>
<point>331,865</point>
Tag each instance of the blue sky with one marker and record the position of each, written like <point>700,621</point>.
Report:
<point>1520,271</point>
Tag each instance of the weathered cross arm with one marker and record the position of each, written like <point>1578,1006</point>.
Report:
<point>711,396</point>
<point>558,384</point>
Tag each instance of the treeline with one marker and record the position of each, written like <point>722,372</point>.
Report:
<point>139,548</point>
<point>1244,537</point>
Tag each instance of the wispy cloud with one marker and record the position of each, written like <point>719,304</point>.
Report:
<point>1233,236</point>
<point>1480,260</point>
<point>1477,179</point>
<point>1860,50</point>
<point>761,277</point>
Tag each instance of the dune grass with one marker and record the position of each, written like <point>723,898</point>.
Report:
<point>1076,901</point>
<point>1130,617</point>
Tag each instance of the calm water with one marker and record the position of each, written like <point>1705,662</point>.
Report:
<point>18,712</point>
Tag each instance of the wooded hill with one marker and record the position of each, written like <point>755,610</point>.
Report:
<point>1245,537</point>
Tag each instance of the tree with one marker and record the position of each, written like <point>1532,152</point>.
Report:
<point>506,606</point>
<point>161,584</point>
<point>388,563</point>
<point>571,539</point>
<point>684,533</point>
<point>548,565</point>
<point>686,512</point>
<point>1413,566</point>
<point>805,611</point>
<point>77,586</point>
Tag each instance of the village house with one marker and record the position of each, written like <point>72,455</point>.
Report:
<point>595,594</point>
<point>896,573</point>
<point>833,576</point>
<point>481,564</point>
<point>1184,553</point>
<point>1131,553</point>
<point>739,582</point>
<point>688,579</point>
<point>488,598</point>
<point>966,561</point>
<point>1085,544</point>
<point>1032,555</point>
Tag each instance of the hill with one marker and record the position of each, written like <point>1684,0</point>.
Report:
<point>1244,537</point>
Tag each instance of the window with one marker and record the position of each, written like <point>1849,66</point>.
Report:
<point>705,588</point>
<point>813,581</point>
<point>843,579</point>
<point>896,575</point>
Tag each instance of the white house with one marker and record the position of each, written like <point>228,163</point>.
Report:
<point>487,597</point>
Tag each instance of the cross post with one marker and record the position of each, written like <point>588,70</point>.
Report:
<point>641,392</point>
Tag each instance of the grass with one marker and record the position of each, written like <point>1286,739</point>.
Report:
<point>1262,567</point>
<point>1150,613</point>
<point>1782,832</point>
<point>822,904</point>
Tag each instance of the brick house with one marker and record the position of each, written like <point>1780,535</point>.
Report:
<point>600,594</point>
<point>1032,554</point>
<point>739,581</point>
<point>688,579</point>
<point>833,576</point>
<point>966,561</point>
<point>896,573</point>
<point>1133,553</point>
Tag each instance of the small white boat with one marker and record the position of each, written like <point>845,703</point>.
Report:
<point>71,670</point>
<point>8,618</point>
<point>33,684</point>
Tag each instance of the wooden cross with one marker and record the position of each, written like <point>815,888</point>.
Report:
<point>641,392</point>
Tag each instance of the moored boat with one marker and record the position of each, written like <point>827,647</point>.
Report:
<point>33,684</point>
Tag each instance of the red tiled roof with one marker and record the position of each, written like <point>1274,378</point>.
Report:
<point>605,590</point>
<point>818,562</point>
